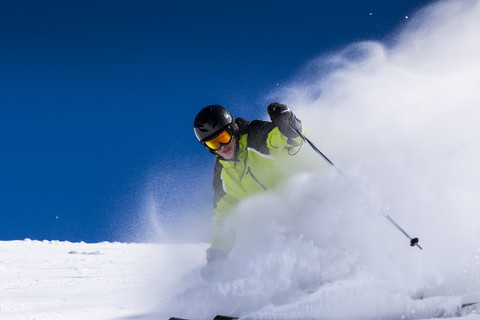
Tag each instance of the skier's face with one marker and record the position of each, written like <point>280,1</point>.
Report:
<point>227,151</point>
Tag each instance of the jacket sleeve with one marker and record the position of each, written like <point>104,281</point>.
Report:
<point>223,203</point>
<point>267,138</point>
<point>278,144</point>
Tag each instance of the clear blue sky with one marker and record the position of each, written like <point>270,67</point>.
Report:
<point>97,98</point>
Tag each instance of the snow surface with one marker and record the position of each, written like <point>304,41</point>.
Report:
<point>64,280</point>
<point>401,120</point>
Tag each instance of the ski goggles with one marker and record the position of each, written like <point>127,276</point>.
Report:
<point>222,138</point>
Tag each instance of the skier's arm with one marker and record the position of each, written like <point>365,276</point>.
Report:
<point>224,204</point>
<point>224,235</point>
<point>284,135</point>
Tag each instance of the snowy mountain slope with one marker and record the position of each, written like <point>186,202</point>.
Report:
<point>63,280</point>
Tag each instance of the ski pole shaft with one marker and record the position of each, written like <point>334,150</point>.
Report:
<point>413,241</point>
<point>318,151</point>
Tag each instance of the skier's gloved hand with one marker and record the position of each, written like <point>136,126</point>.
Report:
<point>284,119</point>
<point>215,256</point>
<point>216,265</point>
<point>279,112</point>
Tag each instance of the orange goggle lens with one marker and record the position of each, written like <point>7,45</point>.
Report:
<point>223,138</point>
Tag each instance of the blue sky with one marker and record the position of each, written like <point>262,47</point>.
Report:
<point>97,98</point>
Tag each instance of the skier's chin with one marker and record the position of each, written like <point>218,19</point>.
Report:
<point>227,152</point>
<point>227,155</point>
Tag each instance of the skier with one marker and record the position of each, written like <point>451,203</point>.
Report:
<point>248,161</point>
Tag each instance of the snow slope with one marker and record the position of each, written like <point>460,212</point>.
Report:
<point>62,280</point>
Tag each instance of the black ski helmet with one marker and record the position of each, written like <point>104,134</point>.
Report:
<point>211,120</point>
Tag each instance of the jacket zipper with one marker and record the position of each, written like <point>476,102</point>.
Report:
<point>256,180</point>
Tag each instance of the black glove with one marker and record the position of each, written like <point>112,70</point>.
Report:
<point>216,265</point>
<point>215,255</point>
<point>284,119</point>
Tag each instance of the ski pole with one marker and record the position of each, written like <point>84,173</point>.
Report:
<point>413,241</point>
<point>318,151</point>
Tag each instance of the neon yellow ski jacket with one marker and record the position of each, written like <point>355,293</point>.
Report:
<point>256,168</point>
